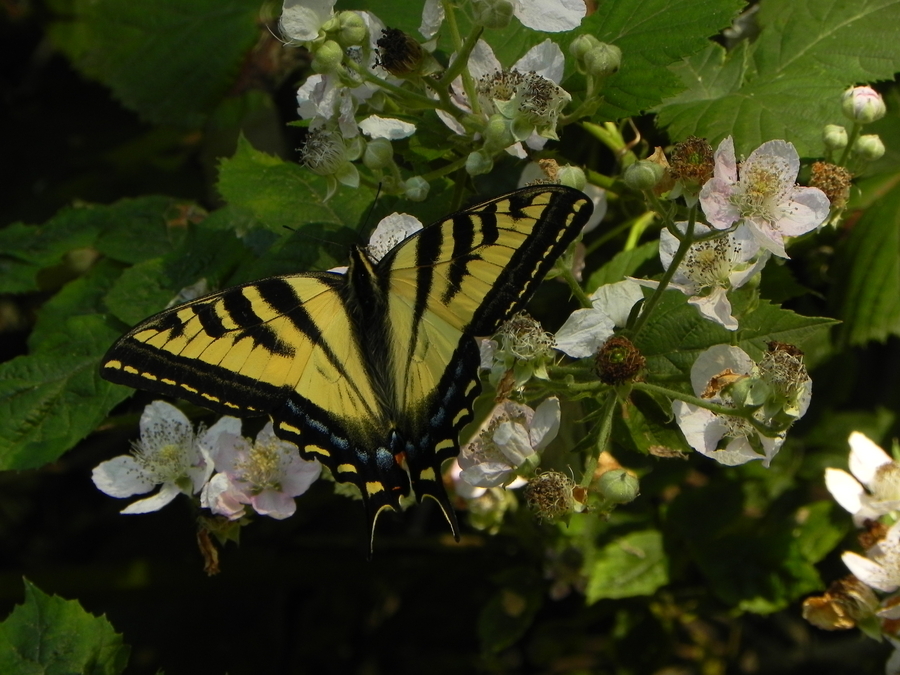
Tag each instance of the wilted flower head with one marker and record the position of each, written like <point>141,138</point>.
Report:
<point>168,454</point>
<point>833,180</point>
<point>874,488</point>
<point>266,474</point>
<point>763,195</point>
<point>846,602</point>
<point>711,268</point>
<point>619,361</point>
<point>508,441</point>
<point>549,494</point>
<point>691,165</point>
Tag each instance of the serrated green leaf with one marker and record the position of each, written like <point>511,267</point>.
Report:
<point>868,273</point>
<point>652,36</point>
<point>788,83</point>
<point>632,565</point>
<point>676,333</point>
<point>283,195</point>
<point>48,635</point>
<point>169,61</point>
<point>51,399</point>
<point>141,229</point>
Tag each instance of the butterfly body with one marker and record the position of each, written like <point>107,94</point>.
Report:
<point>372,372</point>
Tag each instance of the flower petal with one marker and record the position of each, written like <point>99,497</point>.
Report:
<point>583,332</point>
<point>845,489</point>
<point>865,457</point>
<point>870,572</point>
<point>121,477</point>
<point>166,494</point>
<point>550,16</point>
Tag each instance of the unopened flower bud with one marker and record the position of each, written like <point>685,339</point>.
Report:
<point>571,176</point>
<point>497,133</point>
<point>603,60</point>
<point>869,147</point>
<point>618,486</point>
<point>495,14</point>
<point>353,30</point>
<point>478,163</point>
<point>582,45</point>
<point>328,57</point>
<point>416,189</point>
<point>834,136</point>
<point>643,175</point>
<point>863,105</point>
<point>378,154</point>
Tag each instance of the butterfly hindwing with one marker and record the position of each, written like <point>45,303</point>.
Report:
<point>374,373</point>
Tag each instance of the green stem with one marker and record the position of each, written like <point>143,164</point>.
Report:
<point>605,431</point>
<point>567,274</point>
<point>408,98</point>
<point>463,51</point>
<point>443,171</point>
<point>683,248</point>
<point>854,134</point>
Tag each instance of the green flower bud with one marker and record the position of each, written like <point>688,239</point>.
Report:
<point>572,176</point>
<point>834,136</point>
<point>643,175</point>
<point>353,30</point>
<point>328,57</point>
<point>494,14</point>
<point>863,105</point>
<point>618,486</point>
<point>378,154</point>
<point>497,133</point>
<point>582,45</point>
<point>603,60</point>
<point>416,189</point>
<point>869,147</point>
<point>479,162</point>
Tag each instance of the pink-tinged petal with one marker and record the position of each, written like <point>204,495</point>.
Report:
<point>276,505</point>
<point>160,415</point>
<point>299,475</point>
<point>780,152</point>
<point>598,196</point>
<point>805,211</point>
<point>845,489</point>
<point>584,332</point>
<point>486,474</point>
<point>301,19</point>
<point>870,572</point>
<point>716,307</point>
<point>121,477</point>
<point>166,494</point>
<point>617,300</point>
<point>725,163</point>
<point>432,18</point>
<point>550,16</point>
<point>865,457</point>
<point>545,423</point>
<point>715,200</point>
<point>223,498</point>
<point>545,59</point>
<point>482,61</point>
<point>767,237</point>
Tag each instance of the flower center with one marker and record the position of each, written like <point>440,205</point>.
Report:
<point>164,464</point>
<point>261,468</point>
<point>763,189</point>
<point>708,263</point>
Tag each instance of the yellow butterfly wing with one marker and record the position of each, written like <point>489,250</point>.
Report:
<point>373,372</point>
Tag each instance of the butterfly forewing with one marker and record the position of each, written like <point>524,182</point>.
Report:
<point>374,372</point>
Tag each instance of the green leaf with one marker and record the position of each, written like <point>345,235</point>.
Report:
<point>282,195</point>
<point>821,526</point>
<point>633,565</point>
<point>868,273</point>
<point>676,333</point>
<point>511,610</point>
<point>47,635</point>
<point>788,83</point>
<point>651,433</point>
<point>51,399</point>
<point>170,61</point>
<point>653,35</point>
<point>623,264</point>
<point>756,564</point>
